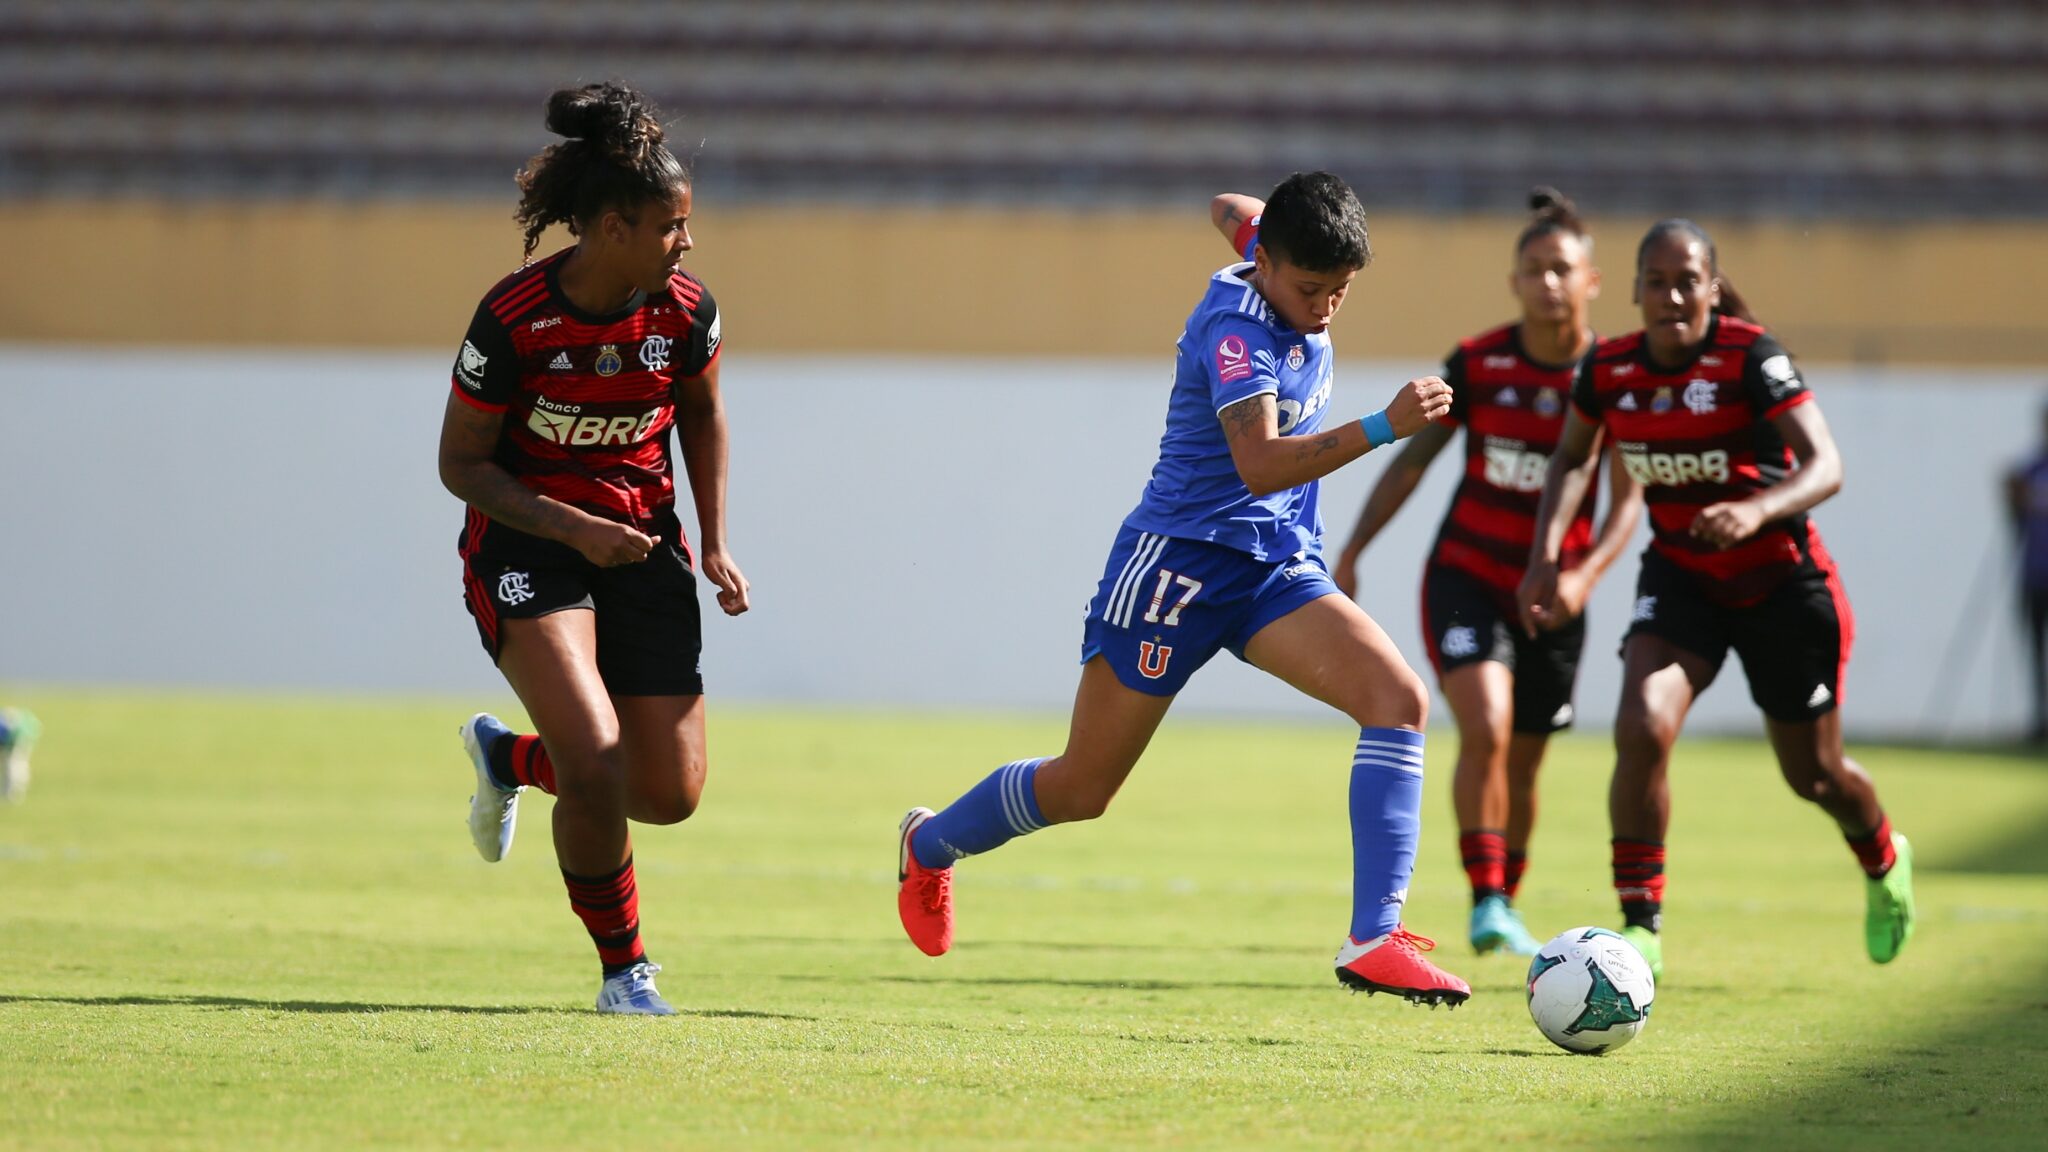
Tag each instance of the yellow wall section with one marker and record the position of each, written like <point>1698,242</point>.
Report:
<point>960,280</point>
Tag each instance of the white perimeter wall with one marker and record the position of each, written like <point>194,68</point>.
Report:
<point>918,532</point>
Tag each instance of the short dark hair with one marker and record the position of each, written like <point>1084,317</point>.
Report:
<point>612,157</point>
<point>1314,221</point>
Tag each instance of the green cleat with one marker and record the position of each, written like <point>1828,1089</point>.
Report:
<point>1652,948</point>
<point>1888,912</point>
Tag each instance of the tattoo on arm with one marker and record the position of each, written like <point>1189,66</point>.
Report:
<point>1310,449</point>
<point>1249,415</point>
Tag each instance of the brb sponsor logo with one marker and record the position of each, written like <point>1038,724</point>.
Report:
<point>1511,467</point>
<point>566,424</point>
<point>1673,469</point>
<point>1293,412</point>
<point>1233,360</point>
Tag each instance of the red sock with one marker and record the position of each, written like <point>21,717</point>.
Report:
<point>524,761</point>
<point>1874,849</point>
<point>1511,876</point>
<point>1639,881</point>
<point>1485,854</point>
<point>609,907</point>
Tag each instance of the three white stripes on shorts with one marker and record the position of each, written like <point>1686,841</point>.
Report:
<point>1387,754</point>
<point>1123,596</point>
<point>1016,777</point>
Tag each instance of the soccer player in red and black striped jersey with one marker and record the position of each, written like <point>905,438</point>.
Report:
<point>574,373</point>
<point>1709,413</point>
<point>1509,688</point>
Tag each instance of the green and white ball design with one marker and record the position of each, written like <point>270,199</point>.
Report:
<point>1590,990</point>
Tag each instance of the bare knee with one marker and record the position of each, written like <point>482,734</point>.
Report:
<point>665,805</point>
<point>1643,734</point>
<point>1816,782</point>
<point>1402,703</point>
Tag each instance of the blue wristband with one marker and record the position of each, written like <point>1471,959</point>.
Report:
<point>1379,431</point>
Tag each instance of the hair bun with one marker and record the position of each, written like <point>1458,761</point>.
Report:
<point>610,115</point>
<point>1545,200</point>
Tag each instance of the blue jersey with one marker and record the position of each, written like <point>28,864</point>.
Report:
<point>1234,348</point>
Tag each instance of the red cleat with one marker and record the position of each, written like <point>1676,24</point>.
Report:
<point>924,898</point>
<point>1394,963</point>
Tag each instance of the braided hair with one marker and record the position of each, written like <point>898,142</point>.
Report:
<point>611,157</point>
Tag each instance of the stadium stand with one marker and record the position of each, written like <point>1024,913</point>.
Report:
<point>1840,107</point>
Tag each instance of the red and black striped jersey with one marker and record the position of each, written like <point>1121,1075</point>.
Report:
<point>588,400</point>
<point>1701,434</point>
<point>1513,410</point>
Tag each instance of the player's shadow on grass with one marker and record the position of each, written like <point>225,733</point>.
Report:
<point>352,1007</point>
<point>1119,985</point>
<point>2021,851</point>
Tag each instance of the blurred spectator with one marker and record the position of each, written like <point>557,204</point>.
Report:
<point>2026,494</point>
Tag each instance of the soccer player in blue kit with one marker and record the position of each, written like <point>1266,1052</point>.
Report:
<point>1224,550</point>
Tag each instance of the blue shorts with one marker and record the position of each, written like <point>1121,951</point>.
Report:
<point>1166,605</point>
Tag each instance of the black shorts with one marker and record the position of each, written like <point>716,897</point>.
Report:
<point>1794,643</point>
<point>650,635</point>
<point>1463,623</point>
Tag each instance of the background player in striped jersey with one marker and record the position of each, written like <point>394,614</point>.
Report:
<point>1224,551</point>
<point>1710,415</point>
<point>1509,687</point>
<point>574,372</point>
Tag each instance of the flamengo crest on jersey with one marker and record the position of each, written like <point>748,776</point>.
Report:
<point>1234,348</point>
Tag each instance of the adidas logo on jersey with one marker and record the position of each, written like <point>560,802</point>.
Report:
<point>560,363</point>
<point>1627,403</point>
<point>1820,696</point>
<point>1508,398</point>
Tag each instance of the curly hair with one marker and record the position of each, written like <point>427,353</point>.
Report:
<point>611,157</point>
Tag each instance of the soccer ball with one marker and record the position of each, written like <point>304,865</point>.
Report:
<point>1590,990</point>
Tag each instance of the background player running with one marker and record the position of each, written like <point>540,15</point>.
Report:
<point>1709,414</point>
<point>573,373</point>
<point>1509,687</point>
<point>1223,551</point>
<point>18,732</point>
<point>2026,501</point>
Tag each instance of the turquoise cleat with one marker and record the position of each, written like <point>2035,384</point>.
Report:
<point>1497,927</point>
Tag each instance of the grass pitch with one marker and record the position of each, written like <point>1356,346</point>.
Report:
<point>242,922</point>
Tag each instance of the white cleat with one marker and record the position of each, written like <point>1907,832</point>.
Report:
<point>18,732</point>
<point>493,811</point>
<point>632,993</point>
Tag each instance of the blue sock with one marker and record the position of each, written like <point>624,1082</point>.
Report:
<point>1386,821</point>
<point>993,813</point>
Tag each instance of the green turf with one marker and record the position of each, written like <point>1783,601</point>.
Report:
<point>243,923</point>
